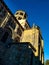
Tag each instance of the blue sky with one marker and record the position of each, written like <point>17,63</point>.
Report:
<point>38,13</point>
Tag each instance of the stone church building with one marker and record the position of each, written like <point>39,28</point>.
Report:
<point>20,44</point>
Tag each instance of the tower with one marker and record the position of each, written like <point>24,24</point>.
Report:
<point>21,16</point>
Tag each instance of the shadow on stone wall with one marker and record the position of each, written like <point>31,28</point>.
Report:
<point>18,54</point>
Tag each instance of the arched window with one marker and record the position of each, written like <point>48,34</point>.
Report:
<point>11,23</point>
<point>19,18</point>
<point>17,39</point>
<point>21,13</point>
<point>5,36</point>
<point>19,31</point>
